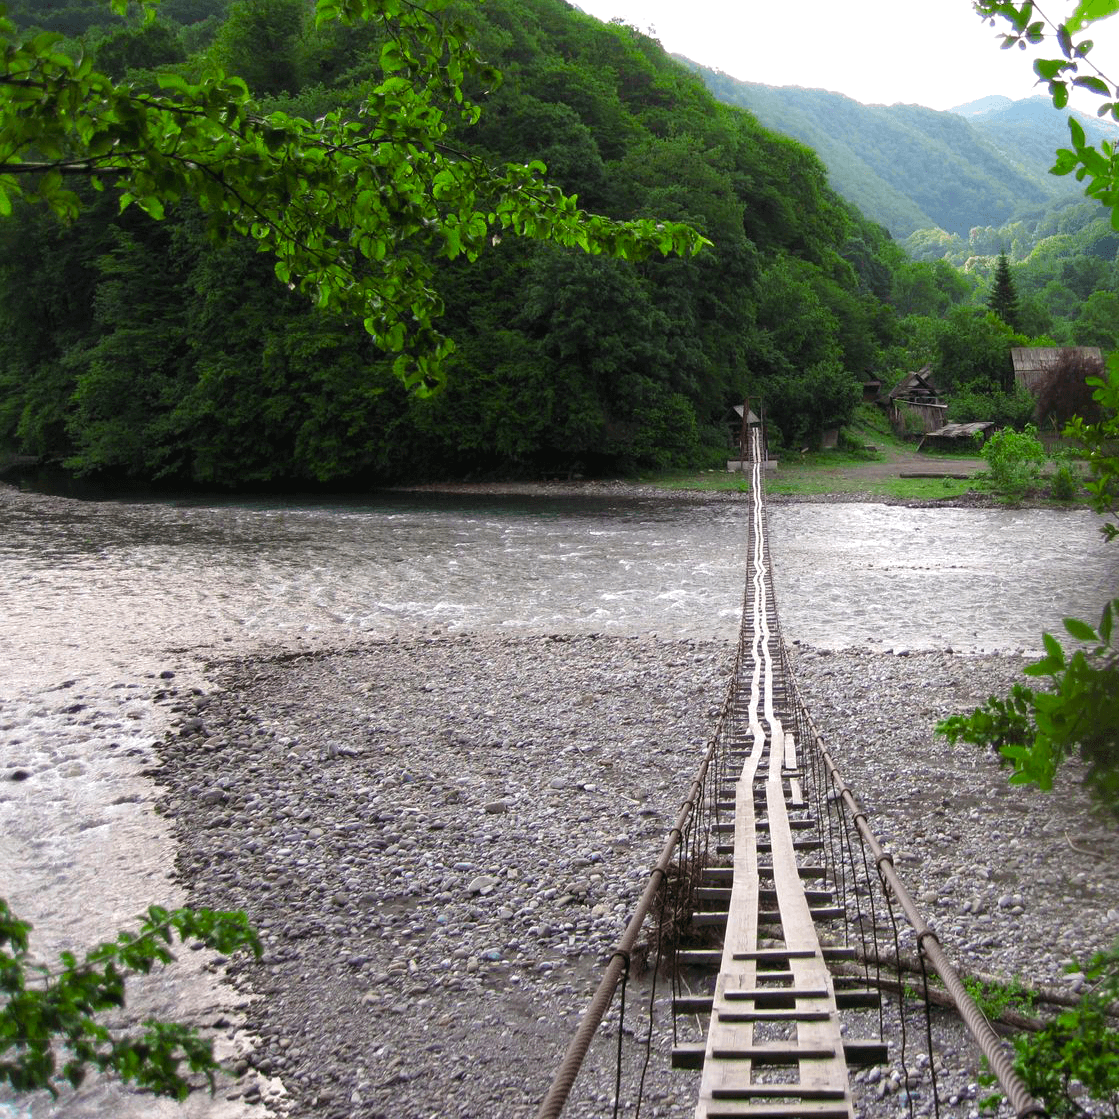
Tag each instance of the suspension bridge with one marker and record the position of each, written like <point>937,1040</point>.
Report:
<point>772,855</point>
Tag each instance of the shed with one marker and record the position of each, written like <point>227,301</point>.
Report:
<point>917,387</point>
<point>950,436</point>
<point>739,420</point>
<point>738,427</point>
<point>1032,362</point>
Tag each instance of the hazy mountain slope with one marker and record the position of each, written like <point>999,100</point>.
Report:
<point>906,166</point>
<point>1031,130</point>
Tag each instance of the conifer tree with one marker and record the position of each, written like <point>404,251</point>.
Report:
<point>1003,300</point>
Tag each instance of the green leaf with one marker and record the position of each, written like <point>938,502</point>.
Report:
<point>1094,84</point>
<point>1047,666</point>
<point>1053,648</point>
<point>1081,630</point>
<point>1089,10</point>
<point>1048,68</point>
<point>1106,620</point>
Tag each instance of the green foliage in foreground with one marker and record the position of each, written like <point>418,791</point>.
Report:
<point>1077,1054</point>
<point>1100,442</point>
<point>1073,70</point>
<point>354,205</point>
<point>50,1033</point>
<point>1036,730</point>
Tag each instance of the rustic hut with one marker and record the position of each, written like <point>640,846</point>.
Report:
<point>740,421</point>
<point>1031,363</point>
<point>951,437</point>
<point>915,404</point>
<point>917,388</point>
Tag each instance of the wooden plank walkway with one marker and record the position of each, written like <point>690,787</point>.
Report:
<point>774,1048</point>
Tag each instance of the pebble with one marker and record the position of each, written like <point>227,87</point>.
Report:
<point>414,902</point>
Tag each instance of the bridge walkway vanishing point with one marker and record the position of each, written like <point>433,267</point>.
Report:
<point>774,1045</point>
<point>769,844</point>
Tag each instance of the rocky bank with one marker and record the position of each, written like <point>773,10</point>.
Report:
<point>441,838</point>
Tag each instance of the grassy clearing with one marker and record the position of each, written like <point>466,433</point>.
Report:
<point>824,472</point>
<point>872,470</point>
<point>706,480</point>
<point>813,480</point>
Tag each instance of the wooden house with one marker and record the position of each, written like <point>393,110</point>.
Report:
<point>915,404</point>
<point>1031,363</point>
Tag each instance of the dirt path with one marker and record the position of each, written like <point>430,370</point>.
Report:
<point>898,461</point>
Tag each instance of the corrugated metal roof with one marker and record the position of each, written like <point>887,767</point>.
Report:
<point>959,431</point>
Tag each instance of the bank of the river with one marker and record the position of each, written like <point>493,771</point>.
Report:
<point>900,477</point>
<point>690,487</point>
<point>422,709</point>
<point>441,838</point>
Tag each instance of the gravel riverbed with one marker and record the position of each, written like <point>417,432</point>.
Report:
<point>440,839</point>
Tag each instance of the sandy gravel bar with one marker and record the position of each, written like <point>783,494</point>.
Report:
<point>440,839</point>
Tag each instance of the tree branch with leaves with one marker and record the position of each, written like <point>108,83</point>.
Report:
<point>1098,168</point>
<point>354,206</point>
<point>52,1029</point>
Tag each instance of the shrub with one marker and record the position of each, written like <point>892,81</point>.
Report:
<point>1065,483</point>
<point>1014,461</point>
<point>1077,1054</point>
<point>1064,391</point>
<point>977,402</point>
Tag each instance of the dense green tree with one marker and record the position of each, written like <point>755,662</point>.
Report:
<point>559,364</point>
<point>352,205</point>
<point>1003,300</point>
<point>139,48</point>
<point>973,347</point>
<point>260,42</point>
<point>1097,323</point>
<point>928,288</point>
<point>131,376</point>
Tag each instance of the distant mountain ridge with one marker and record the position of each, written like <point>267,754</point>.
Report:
<point>909,167</point>
<point>982,106</point>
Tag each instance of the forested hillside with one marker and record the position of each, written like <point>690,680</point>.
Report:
<point>1031,130</point>
<point>914,168</point>
<point>142,347</point>
<point>148,349</point>
<point>964,186</point>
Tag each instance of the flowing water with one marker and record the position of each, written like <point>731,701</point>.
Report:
<point>99,600</point>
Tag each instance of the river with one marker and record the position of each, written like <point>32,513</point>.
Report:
<point>103,603</point>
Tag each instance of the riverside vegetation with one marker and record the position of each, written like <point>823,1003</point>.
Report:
<point>167,350</point>
<point>1036,730</point>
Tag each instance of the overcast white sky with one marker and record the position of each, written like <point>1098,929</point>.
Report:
<point>926,52</point>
